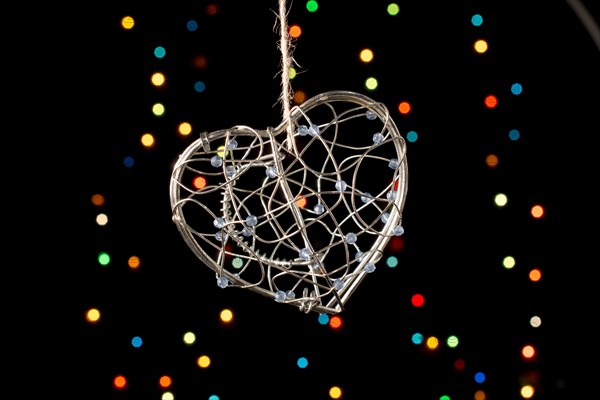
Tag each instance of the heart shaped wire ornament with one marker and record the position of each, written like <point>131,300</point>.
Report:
<point>302,220</point>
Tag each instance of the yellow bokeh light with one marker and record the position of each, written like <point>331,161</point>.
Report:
<point>432,343</point>
<point>184,128</point>
<point>158,79</point>
<point>203,361</point>
<point>527,391</point>
<point>158,109</point>
<point>167,396</point>
<point>335,392</point>
<point>509,262</point>
<point>371,83</point>
<point>93,315</point>
<point>221,152</point>
<point>147,140</point>
<point>127,22</point>
<point>366,55</point>
<point>226,315</point>
<point>480,46</point>
<point>500,199</point>
<point>189,338</point>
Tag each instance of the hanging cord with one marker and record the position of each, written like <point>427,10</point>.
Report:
<point>286,64</point>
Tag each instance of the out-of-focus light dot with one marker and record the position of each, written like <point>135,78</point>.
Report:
<point>404,107</point>
<point>120,382</point>
<point>417,338</point>
<point>226,316</point>
<point>160,52</point>
<point>221,152</point>
<point>191,25</point>
<point>527,391</point>
<point>516,89</point>
<point>537,211</point>
<point>335,322</point>
<point>432,343</point>
<point>391,262</point>
<point>128,161</point>
<point>514,135</point>
<point>312,5</point>
<point>366,55</point>
<point>491,101</point>
<point>535,321</point>
<point>292,73</point>
<point>412,136</point>
<point>476,20</point>
<point>479,377</point>
<point>393,9</point>
<point>136,341</point>
<point>417,300</point>
<point>299,96</point>
<point>158,109</point>
<point>302,362</point>
<point>203,361</point>
<point>528,352</point>
<point>452,341</point>
<point>147,140</point>
<point>184,128</point>
<point>212,9</point>
<point>301,202</point>
<point>459,364</point>
<point>102,219</point>
<point>200,62</point>
<point>535,275</point>
<point>213,397</point>
<point>92,315</point>
<point>323,319</point>
<point>480,46</point>
<point>396,244</point>
<point>189,338</point>
<point>500,199</point>
<point>199,182</point>
<point>295,31</point>
<point>103,258</point>
<point>371,83</point>
<point>237,263</point>
<point>165,381</point>
<point>335,392</point>
<point>134,262</point>
<point>158,79</point>
<point>167,396</point>
<point>509,262</point>
<point>491,160</point>
<point>444,397</point>
<point>199,86</point>
<point>127,22</point>
<point>479,395</point>
<point>98,200</point>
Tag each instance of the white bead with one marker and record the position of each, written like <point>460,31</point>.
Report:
<point>216,161</point>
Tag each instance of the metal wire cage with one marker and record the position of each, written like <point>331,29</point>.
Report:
<point>301,220</point>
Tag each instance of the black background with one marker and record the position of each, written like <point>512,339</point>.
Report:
<point>84,100</point>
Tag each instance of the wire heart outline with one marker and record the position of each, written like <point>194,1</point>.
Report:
<point>276,252</point>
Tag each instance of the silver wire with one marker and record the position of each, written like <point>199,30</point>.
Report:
<point>311,255</point>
